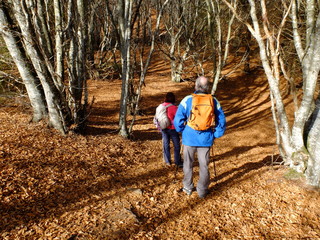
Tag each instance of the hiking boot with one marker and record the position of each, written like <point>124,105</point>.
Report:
<point>187,191</point>
<point>180,166</point>
<point>203,195</point>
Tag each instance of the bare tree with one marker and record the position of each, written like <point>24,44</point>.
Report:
<point>54,41</point>
<point>184,27</point>
<point>301,153</point>
<point>218,19</point>
<point>122,18</point>
<point>32,85</point>
<point>147,31</point>
<point>77,34</point>
<point>24,19</point>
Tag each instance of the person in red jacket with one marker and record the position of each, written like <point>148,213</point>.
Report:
<point>170,133</point>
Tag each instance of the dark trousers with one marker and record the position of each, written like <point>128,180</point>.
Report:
<point>172,134</point>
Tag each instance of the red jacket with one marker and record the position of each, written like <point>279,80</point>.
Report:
<point>171,112</point>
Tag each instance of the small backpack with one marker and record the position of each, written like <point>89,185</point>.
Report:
<point>202,112</point>
<point>161,119</point>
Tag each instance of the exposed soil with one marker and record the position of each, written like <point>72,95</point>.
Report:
<point>100,186</point>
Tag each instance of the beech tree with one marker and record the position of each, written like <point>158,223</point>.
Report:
<point>49,40</point>
<point>184,24</point>
<point>219,19</point>
<point>133,20</point>
<point>197,32</point>
<point>121,17</point>
<point>147,30</point>
<point>299,145</point>
<point>30,81</point>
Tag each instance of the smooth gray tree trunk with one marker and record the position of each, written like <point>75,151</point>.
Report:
<point>124,19</point>
<point>313,146</point>
<point>56,117</point>
<point>59,48</point>
<point>302,156</point>
<point>31,83</point>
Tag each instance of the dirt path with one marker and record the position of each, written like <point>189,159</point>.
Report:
<point>100,186</point>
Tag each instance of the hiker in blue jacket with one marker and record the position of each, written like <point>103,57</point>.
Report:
<point>198,141</point>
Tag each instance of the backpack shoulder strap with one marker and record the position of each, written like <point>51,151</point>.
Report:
<point>201,94</point>
<point>168,105</point>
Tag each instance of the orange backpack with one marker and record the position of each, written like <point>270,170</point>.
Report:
<point>202,112</point>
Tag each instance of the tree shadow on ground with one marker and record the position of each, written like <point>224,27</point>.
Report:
<point>237,150</point>
<point>241,94</point>
<point>66,196</point>
<point>146,135</point>
<point>101,119</point>
<point>244,94</point>
<point>231,89</point>
<point>239,172</point>
<point>100,123</point>
<point>232,177</point>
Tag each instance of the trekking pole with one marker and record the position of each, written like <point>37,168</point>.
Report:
<point>214,165</point>
<point>181,151</point>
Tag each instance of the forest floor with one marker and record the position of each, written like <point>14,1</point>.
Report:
<point>100,186</point>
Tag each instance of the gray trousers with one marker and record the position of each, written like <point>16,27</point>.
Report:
<point>203,157</point>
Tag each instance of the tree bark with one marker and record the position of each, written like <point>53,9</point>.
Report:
<point>44,26</point>
<point>310,12</point>
<point>56,116</point>
<point>311,69</point>
<point>125,15</point>
<point>59,48</point>
<point>220,53</point>
<point>302,157</point>
<point>29,80</point>
<point>82,56</point>
<point>313,145</point>
<point>273,83</point>
<point>49,65</point>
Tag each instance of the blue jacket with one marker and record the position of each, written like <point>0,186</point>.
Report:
<point>194,138</point>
